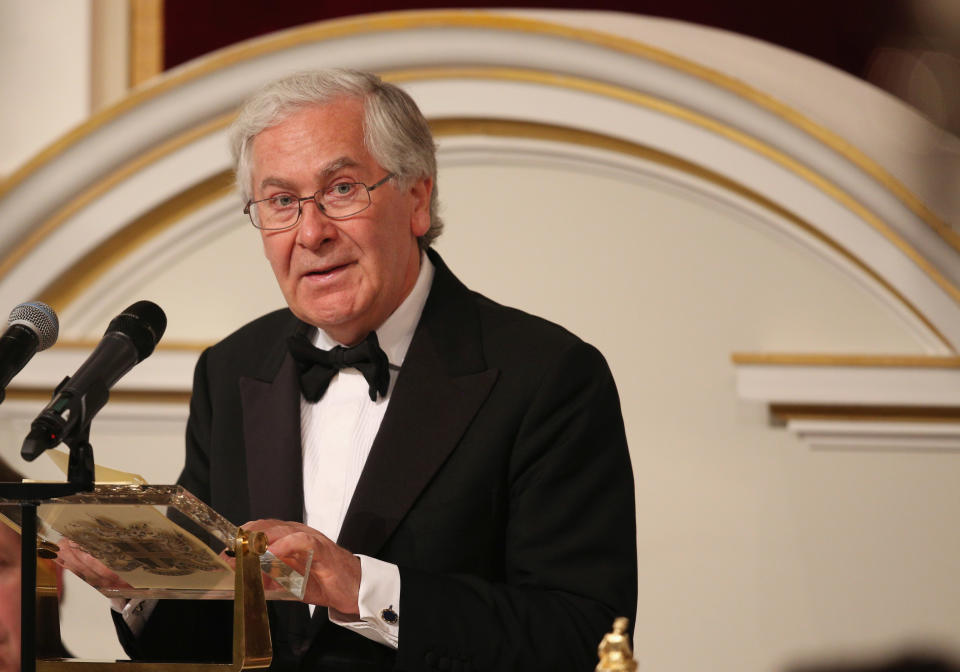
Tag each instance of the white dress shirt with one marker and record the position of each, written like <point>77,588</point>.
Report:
<point>336,434</point>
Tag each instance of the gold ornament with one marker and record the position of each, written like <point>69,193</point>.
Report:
<point>614,650</point>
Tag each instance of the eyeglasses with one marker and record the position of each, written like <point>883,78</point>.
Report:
<point>338,201</point>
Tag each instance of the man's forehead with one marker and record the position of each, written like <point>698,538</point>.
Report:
<point>336,125</point>
<point>320,137</point>
<point>335,113</point>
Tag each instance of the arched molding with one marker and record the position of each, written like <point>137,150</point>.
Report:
<point>141,182</point>
<point>539,72</point>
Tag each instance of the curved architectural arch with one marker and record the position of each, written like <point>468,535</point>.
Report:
<point>165,140</point>
<point>117,259</point>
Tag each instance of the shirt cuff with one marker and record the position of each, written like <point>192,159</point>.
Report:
<point>134,612</point>
<point>379,603</point>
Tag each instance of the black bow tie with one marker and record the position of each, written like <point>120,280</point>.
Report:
<point>318,367</point>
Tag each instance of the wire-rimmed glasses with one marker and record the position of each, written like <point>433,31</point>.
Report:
<point>338,201</point>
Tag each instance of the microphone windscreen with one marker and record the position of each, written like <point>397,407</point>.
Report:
<point>39,318</point>
<point>144,323</point>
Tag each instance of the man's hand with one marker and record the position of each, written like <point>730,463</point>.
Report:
<point>334,579</point>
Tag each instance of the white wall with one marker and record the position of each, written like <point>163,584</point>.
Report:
<point>45,74</point>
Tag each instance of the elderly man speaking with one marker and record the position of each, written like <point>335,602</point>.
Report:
<point>458,468</point>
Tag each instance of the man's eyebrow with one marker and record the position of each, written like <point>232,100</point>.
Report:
<point>331,168</point>
<point>336,165</point>
<point>275,182</point>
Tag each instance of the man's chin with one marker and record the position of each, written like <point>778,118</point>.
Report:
<point>338,321</point>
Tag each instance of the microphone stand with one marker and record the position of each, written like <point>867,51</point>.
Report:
<point>80,478</point>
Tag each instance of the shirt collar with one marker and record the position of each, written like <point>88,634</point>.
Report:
<point>396,332</point>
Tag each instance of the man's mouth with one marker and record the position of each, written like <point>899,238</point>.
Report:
<point>326,272</point>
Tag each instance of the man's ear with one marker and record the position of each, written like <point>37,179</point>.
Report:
<point>420,214</point>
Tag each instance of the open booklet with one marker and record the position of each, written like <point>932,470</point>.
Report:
<point>133,540</point>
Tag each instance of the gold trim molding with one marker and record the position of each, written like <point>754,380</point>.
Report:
<point>846,360</point>
<point>408,20</point>
<point>739,137</point>
<point>102,186</point>
<point>780,414</point>
<point>596,88</point>
<point>146,40</point>
<point>542,131</point>
<point>98,260</point>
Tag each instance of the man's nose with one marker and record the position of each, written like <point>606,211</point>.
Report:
<point>315,227</point>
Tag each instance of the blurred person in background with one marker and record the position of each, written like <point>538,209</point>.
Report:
<point>49,644</point>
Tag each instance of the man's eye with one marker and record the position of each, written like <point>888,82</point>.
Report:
<point>342,190</point>
<point>282,201</point>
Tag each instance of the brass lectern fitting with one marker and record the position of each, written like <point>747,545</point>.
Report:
<point>258,543</point>
<point>46,550</point>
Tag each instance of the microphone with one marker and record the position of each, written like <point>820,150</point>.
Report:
<point>129,339</point>
<point>32,327</point>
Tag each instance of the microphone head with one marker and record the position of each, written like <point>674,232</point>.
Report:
<point>143,323</point>
<point>40,319</point>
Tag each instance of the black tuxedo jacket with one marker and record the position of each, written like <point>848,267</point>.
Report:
<point>499,483</point>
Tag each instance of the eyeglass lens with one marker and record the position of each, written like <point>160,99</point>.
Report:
<point>338,201</point>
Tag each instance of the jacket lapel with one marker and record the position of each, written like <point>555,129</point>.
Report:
<point>270,403</point>
<point>271,436</point>
<point>441,386</point>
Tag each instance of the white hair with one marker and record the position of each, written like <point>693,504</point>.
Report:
<point>394,130</point>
